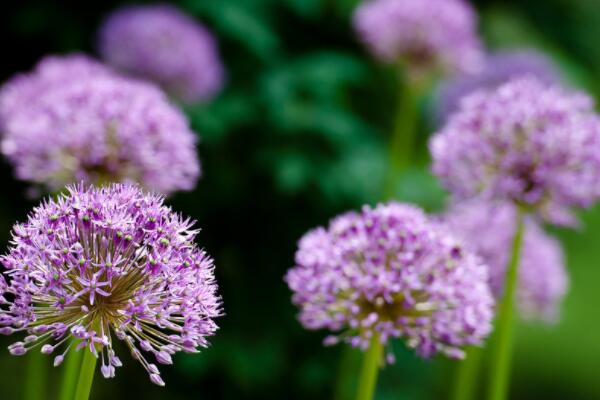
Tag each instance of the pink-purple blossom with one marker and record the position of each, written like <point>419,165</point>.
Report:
<point>162,44</point>
<point>526,142</point>
<point>100,264</point>
<point>391,271</point>
<point>497,69</point>
<point>72,119</point>
<point>488,230</point>
<point>423,35</point>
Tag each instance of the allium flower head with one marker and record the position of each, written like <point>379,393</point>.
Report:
<point>103,264</point>
<point>162,44</point>
<point>527,142</point>
<point>73,119</point>
<point>390,271</point>
<point>498,68</point>
<point>421,34</point>
<point>488,230</point>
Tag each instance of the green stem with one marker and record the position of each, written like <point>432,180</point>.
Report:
<point>370,368</point>
<point>348,369</point>
<point>501,351</point>
<point>467,371</point>
<point>402,144</point>
<point>86,376</point>
<point>71,367</point>
<point>35,388</point>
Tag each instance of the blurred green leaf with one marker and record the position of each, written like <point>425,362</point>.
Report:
<point>241,21</point>
<point>222,115</point>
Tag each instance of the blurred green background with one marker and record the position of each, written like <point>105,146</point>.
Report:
<point>299,135</point>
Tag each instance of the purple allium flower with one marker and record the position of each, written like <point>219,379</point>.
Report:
<point>389,270</point>
<point>497,69</point>
<point>162,44</point>
<point>105,263</point>
<point>73,119</point>
<point>527,142</point>
<point>488,230</point>
<point>421,34</point>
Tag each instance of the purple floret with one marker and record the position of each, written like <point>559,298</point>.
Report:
<point>100,264</point>
<point>73,119</point>
<point>498,68</point>
<point>488,230</point>
<point>162,44</point>
<point>526,142</point>
<point>424,35</point>
<point>390,271</point>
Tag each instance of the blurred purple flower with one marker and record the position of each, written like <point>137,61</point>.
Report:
<point>527,142</point>
<point>497,69</point>
<point>488,230</point>
<point>99,264</point>
<point>162,44</point>
<point>73,119</point>
<point>424,35</point>
<point>391,271</point>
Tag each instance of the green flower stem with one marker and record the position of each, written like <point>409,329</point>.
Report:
<point>370,368</point>
<point>502,341</point>
<point>86,375</point>
<point>35,387</point>
<point>347,371</point>
<point>467,371</point>
<point>71,367</point>
<point>402,144</point>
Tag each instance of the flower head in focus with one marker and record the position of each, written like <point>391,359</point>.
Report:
<point>526,142</point>
<point>103,264</point>
<point>422,35</point>
<point>498,68</point>
<point>162,44</point>
<point>390,271</point>
<point>73,119</point>
<point>488,230</point>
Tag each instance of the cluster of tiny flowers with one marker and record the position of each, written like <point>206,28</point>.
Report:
<point>162,44</point>
<point>488,230</point>
<point>421,34</point>
<point>527,142</point>
<point>390,271</point>
<point>73,119</point>
<point>102,263</point>
<point>498,68</point>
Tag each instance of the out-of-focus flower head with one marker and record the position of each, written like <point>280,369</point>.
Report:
<point>526,142</point>
<point>498,68</point>
<point>422,35</point>
<point>391,271</point>
<point>73,119</point>
<point>488,230</point>
<point>162,44</point>
<point>100,264</point>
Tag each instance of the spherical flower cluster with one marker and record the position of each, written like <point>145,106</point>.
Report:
<point>498,68</point>
<point>162,44</point>
<point>488,230</point>
<point>527,142</point>
<point>105,263</point>
<point>73,119</point>
<point>421,34</point>
<point>389,271</point>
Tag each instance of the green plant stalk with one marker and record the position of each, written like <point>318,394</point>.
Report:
<point>35,378</point>
<point>467,373</point>
<point>86,376</point>
<point>71,367</point>
<point>369,370</point>
<point>402,144</point>
<point>347,371</point>
<point>501,351</point>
